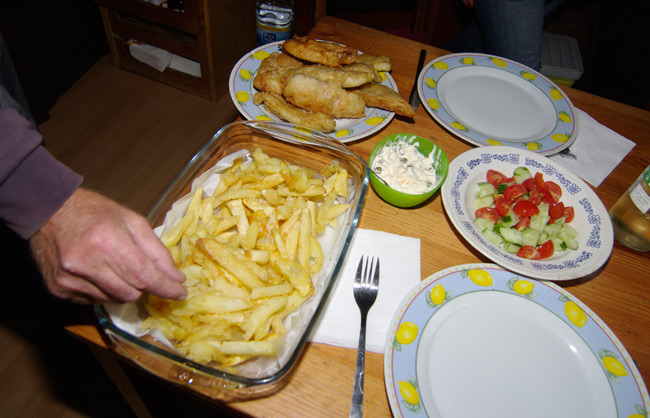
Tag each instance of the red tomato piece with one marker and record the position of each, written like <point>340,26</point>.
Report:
<point>530,184</point>
<point>539,180</point>
<point>556,211</point>
<point>529,252</point>
<point>569,213</point>
<point>502,205</point>
<point>495,177</point>
<point>514,191</point>
<point>488,213</point>
<point>525,208</point>
<point>546,249</point>
<point>534,196</point>
<point>524,222</point>
<point>552,191</point>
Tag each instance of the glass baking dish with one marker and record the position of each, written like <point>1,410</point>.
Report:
<point>296,145</point>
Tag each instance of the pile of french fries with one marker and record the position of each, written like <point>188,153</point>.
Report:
<point>249,253</point>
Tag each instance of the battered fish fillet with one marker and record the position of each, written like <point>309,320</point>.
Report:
<point>269,75</point>
<point>345,79</point>
<point>323,96</point>
<point>320,52</point>
<point>379,63</point>
<point>359,66</point>
<point>279,107</point>
<point>383,97</point>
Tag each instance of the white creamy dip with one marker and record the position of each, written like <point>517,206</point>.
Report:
<point>401,165</point>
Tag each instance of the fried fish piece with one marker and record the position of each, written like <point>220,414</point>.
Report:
<point>269,75</point>
<point>359,66</point>
<point>323,96</point>
<point>383,97</point>
<point>279,107</point>
<point>379,63</point>
<point>345,79</point>
<point>320,52</point>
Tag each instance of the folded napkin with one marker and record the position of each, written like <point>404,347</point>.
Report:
<point>399,272</point>
<point>598,149</point>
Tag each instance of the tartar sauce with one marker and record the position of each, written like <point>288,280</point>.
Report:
<point>401,165</point>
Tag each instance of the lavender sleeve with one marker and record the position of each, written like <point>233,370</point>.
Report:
<point>33,184</point>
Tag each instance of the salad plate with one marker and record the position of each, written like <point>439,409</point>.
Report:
<point>488,100</point>
<point>242,91</point>
<point>592,222</point>
<point>477,340</point>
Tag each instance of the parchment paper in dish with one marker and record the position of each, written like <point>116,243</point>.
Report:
<point>129,316</point>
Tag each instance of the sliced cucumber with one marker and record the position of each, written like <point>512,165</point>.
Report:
<point>486,189</point>
<point>484,202</point>
<point>553,230</point>
<point>512,236</point>
<point>567,232</point>
<point>530,236</point>
<point>521,174</point>
<point>511,248</point>
<point>482,224</point>
<point>539,221</point>
<point>493,237</point>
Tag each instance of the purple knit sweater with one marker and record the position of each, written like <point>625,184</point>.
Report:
<point>33,184</point>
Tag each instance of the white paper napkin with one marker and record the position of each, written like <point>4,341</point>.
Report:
<point>598,148</point>
<point>399,272</point>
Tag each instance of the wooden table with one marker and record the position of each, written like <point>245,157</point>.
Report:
<point>322,380</point>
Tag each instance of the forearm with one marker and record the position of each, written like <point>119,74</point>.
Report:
<point>33,184</point>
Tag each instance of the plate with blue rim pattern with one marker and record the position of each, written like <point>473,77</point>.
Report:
<point>595,231</point>
<point>242,91</point>
<point>476,340</point>
<point>489,100</point>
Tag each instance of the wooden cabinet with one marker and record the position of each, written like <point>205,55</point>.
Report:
<point>214,33</point>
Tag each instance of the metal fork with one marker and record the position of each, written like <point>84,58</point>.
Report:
<point>366,287</point>
<point>566,152</point>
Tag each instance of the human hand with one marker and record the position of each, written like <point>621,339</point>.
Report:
<point>95,250</point>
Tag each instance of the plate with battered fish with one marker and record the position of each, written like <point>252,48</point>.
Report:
<point>315,88</point>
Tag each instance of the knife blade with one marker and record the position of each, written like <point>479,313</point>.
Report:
<point>414,99</point>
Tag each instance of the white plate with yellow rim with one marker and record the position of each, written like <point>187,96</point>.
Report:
<point>488,100</point>
<point>242,92</point>
<point>481,341</point>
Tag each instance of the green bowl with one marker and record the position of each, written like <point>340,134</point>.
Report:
<point>401,199</point>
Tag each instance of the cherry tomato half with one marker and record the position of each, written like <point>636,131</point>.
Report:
<point>569,213</point>
<point>525,208</point>
<point>524,222</point>
<point>546,249</point>
<point>488,213</point>
<point>514,191</point>
<point>552,191</point>
<point>529,252</point>
<point>556,211</point>
<point>495,177</point>
<point>502,205</point>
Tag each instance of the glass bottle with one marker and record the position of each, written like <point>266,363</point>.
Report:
<point>274,20</point>
<point>631,215</point>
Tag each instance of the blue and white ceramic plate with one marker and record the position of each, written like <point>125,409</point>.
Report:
<point>242,92</point>
<point>488,100</point>
<point>596,236</point>
<point>480,341</point>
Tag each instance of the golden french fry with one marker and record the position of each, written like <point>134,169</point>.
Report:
<point>260,314</point>
<point>296,275</point>
<point>229,261</point>
<point>304,239</point>
<point>268,291</point>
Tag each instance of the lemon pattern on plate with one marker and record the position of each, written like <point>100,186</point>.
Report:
<point>498,62</point>
<point>522,287</point>
<point>260,55</point>
<point>478,276</point>
<point>527,75</point>
<point>555,94</point>
<point>459,126</point>
<point>615,369</point>
<point>491,141</point>
<point>534,146</point>
<point>263,117</point>
<point>243,96</point>
<point>437,296</point>
<point>342,133</point>
<point>429,82</point>
<point>406,334</point>
<point>561,138</point>
<point>244,74</point>
<point>641,412</point>
<point>441,65</point>
<point>467,61</point>
<point>564,116</point>
<point>573,312</point>
<point>409,391</point>
<point>433,104</point>
<point>375,120</point>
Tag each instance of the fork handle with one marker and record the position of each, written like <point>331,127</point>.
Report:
<point>356,410</point>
